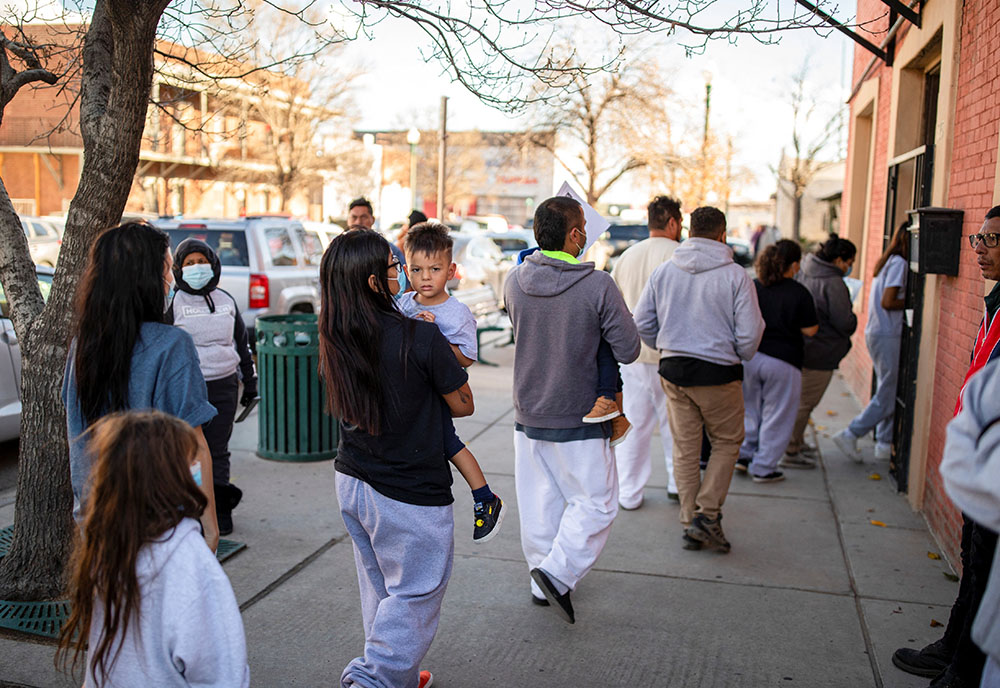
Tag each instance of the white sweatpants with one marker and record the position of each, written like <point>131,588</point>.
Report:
<point>646,408</point>
<point>567,495</point>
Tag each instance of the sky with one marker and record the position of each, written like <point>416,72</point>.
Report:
<point>749,101</point>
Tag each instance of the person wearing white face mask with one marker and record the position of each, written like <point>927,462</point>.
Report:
<point>211,317</point>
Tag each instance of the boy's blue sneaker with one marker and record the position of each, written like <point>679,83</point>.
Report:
<point>489,516</point>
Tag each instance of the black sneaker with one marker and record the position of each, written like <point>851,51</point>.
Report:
<point>489,516</point>
<point>708,532</point>
<point>690,543</point>
<point>928,661</point>
<point>742,465</point>
<point>225,520</point>
<point>772,477</point>
<point>560,603</point>
<point>950,679</point>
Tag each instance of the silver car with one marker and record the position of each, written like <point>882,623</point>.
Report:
<point>44,240</point>
<point>270,265</point>
<point>10,362</point>
<point>480,262</point>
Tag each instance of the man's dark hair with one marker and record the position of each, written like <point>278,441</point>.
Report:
<point>360,202</point>
<point>415,218</point>
<point>428,238</point>
<point>661,210</point>
<point>707,222</point>
<point>554,217</point>
<point>993,212</point>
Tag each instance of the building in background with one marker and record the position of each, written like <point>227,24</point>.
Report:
<point>485,173</point>
<point>819,218</point>
<point>210,147</point>
<point>924,122</point>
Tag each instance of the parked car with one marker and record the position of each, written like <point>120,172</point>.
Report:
<point>323,232</point>
<point>270,265</point>
<point>10,361</point>
<point>513,241</point>
<point>480,262</point>
<point>492,223</point>
<point>742,251</point>
<point>44,239</point>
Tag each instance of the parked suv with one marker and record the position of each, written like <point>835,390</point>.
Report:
<point>270,265</point>
<point>44,239</point>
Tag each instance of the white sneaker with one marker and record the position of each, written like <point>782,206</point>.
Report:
<point>848,443</point>
<point>883,450</point>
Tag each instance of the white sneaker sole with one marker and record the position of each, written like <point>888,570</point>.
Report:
<point>606,416</point>
<point>845,445</point>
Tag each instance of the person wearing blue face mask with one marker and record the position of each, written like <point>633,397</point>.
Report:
<point>211,317</point>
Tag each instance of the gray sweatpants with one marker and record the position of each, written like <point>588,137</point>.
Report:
<point>404,555</point>
<point>878,414</point>
<point>771,391</point>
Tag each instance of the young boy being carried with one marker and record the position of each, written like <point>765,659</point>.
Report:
<point>428,266</point>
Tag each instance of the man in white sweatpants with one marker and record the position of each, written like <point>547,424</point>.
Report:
<point>645,402</point>
<point>564,470</point>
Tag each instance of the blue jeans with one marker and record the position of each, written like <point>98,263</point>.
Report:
<point>404,555</point>
<point>609,379</point>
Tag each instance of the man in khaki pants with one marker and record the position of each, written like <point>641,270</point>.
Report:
<point>700,311</point>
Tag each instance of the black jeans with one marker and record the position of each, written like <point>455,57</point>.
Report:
<point>609,378</point>
<point>224,396</point>
<point>978,546</point>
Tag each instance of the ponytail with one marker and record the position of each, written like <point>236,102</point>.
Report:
<point>835,247</point>
<point>774,261</point>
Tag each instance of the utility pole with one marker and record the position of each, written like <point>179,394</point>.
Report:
<point>442,157</point>
<point>704,140</point>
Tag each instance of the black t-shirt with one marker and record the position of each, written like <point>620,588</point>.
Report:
<point>787,307</point>
<point>407,461</point>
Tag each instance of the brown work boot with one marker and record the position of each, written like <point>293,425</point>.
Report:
<point>604,409</point>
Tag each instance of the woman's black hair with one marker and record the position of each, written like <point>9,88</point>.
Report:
<point>350,327</point>
<point>774,261</point>
<point>122,287</point>
<point>835,247</point>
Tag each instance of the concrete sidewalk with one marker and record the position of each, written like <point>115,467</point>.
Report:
<point>812,594</point>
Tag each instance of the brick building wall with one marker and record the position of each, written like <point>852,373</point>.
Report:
<point>970,185</point>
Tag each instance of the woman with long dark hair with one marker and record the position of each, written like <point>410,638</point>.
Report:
<point>150,603</point>
<point>124,357</point>
<point>389,379</point>
<point>772,379</point>
<point>883,333</point>
<point>823,275</point>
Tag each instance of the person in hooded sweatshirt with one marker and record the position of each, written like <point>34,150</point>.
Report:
<point>700,310</point>
<point>823,275</point>
<point>211,317</point>
<point>151,606</point>
<point>564,468</point>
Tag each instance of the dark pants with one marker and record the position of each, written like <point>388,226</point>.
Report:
<point>223,395</point>
<point>609,378</point>
<point>978,546</point>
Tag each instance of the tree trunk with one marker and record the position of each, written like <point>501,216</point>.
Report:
<point>796,217</point>
<point>117,75</point>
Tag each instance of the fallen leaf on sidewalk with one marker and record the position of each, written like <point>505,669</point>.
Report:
<point>933,555</point>
<point>877,523</point>
<point>874,476</point>
<point>831,412</point>
<point>935,623</point>
<point>950,576</point>
<point>820,427</point>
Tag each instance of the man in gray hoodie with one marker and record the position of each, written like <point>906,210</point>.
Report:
<point>564,469</point>
<point>700,311</point>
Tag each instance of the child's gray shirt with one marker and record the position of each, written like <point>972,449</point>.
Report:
<point>453,318</point>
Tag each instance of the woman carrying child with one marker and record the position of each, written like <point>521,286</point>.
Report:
<point>150,604</point>
<point>389,379</point>
<point>213,320</point>
<point>123,356</point>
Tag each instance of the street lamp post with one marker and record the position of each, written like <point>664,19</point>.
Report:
<point>413,138</point>
<point>702,191</point>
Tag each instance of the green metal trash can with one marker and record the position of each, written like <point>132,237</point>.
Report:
<point>292,423</point>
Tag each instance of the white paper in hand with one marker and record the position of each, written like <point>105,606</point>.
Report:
<point>596,225</point>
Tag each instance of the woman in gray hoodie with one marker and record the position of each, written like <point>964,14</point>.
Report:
<point>823,275</point>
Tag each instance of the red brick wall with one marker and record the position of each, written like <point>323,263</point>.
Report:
<point>971,182</point>
<point>973,169</point>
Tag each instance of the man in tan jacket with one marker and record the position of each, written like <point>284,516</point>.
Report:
<point>644,400</point>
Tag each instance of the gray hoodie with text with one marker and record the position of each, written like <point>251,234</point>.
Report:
<point>560,312</point>
<point>701,304</point>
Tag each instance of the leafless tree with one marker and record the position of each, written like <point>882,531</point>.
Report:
<point>797,171</point>
<point>497,49</point>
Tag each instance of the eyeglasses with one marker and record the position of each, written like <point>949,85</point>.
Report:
<point>396,264</point>
<point>991,240</point>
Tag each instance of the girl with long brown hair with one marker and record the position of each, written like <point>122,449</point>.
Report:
<point>883,333</point>
<point>772,379</point>
<point>150,602</point>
